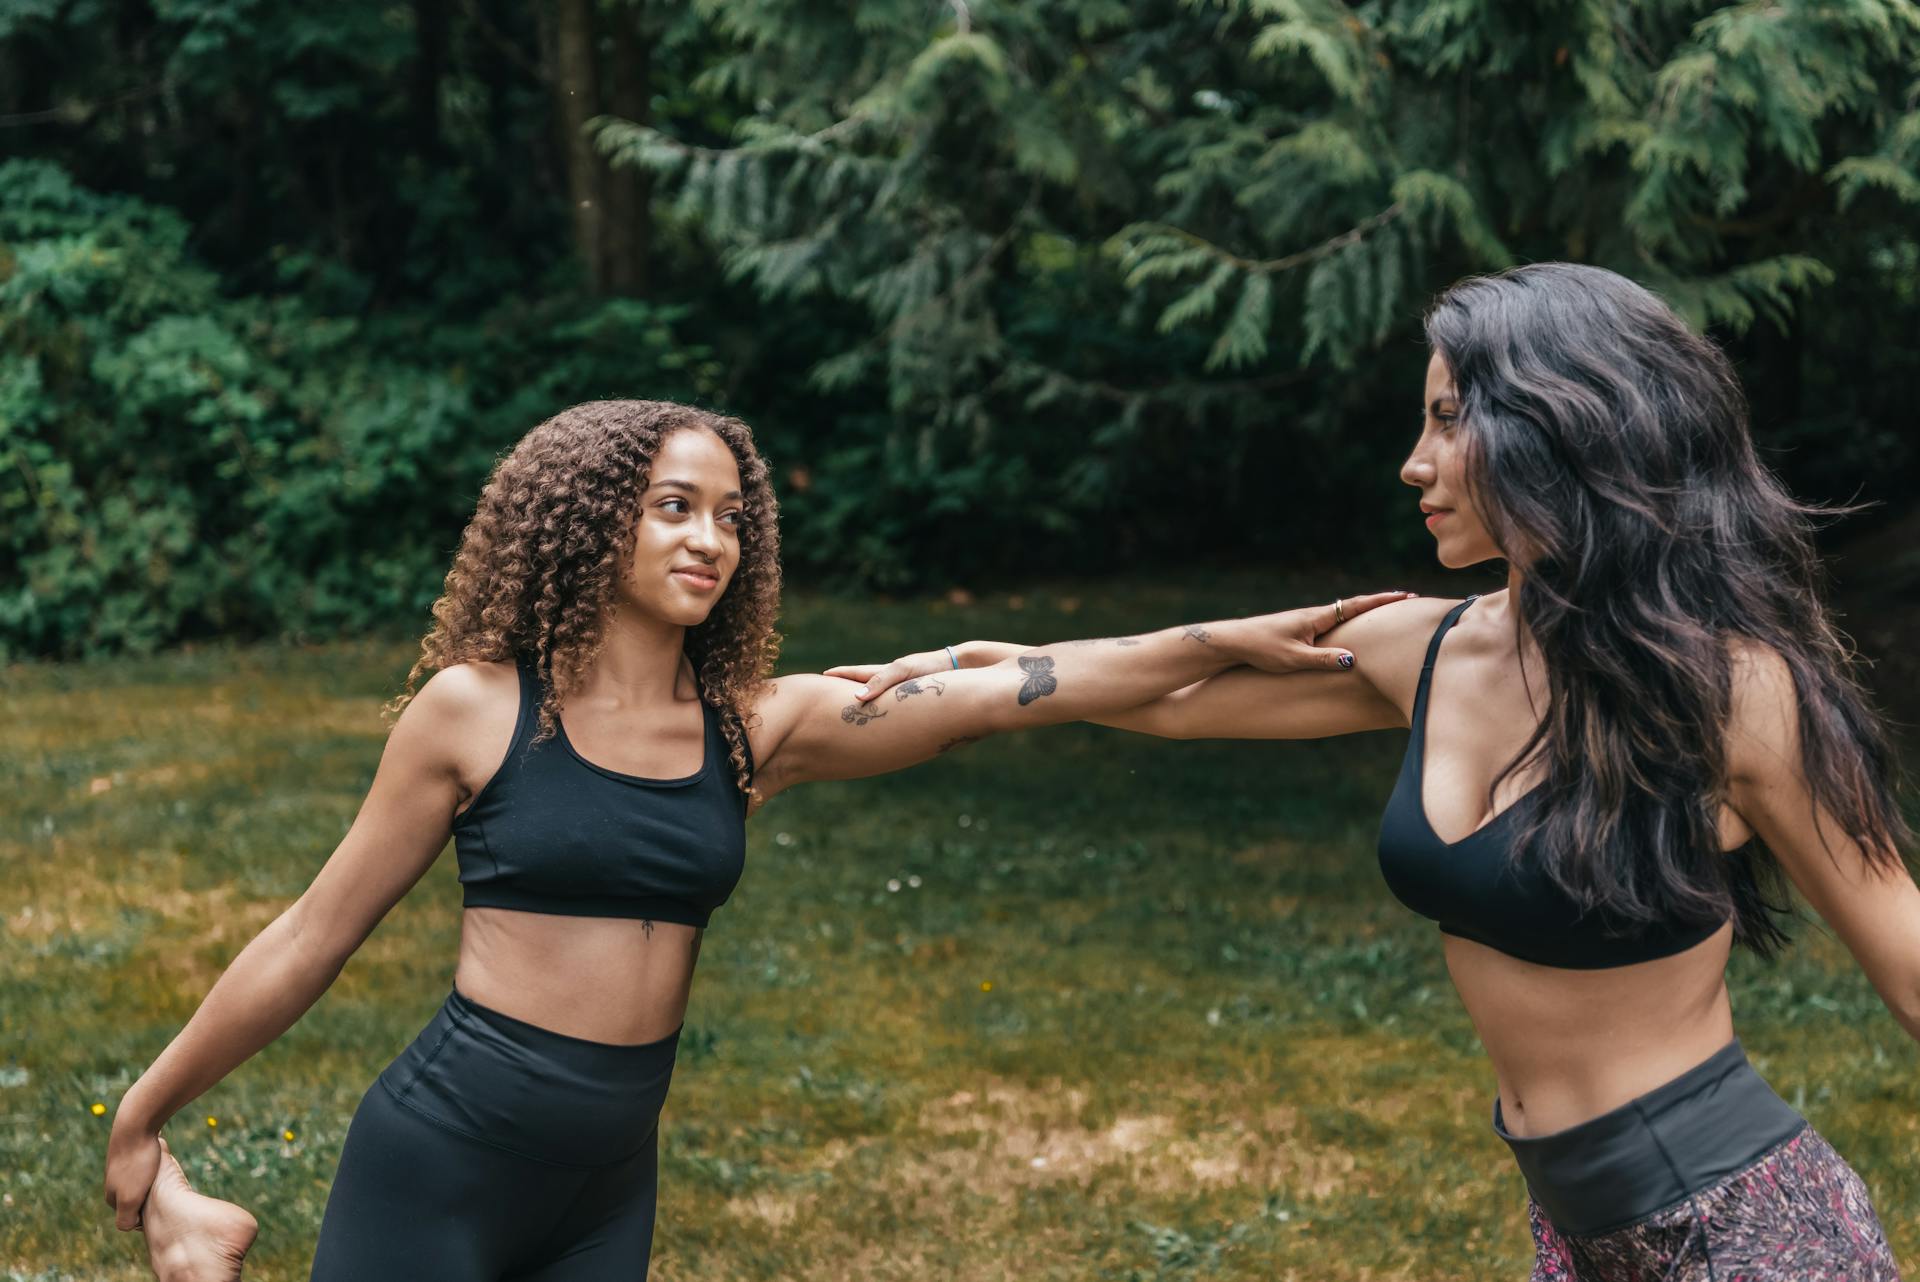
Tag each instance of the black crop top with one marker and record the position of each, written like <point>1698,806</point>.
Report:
<point>552,832</point>
<point>1475,890</point>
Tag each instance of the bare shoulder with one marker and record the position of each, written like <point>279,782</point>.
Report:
<point>467,693</point>
<point>461,723</point>
<point>1761,675</point>
<point>1763,711</point>
<point>778,708</point>
<point>1390,643</point>
<point>781,701</point>
<point>1393,624</point>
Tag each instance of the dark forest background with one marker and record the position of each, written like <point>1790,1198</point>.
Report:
<point>1008,290</point>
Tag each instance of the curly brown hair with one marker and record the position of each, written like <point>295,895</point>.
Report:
<point>554,529</point>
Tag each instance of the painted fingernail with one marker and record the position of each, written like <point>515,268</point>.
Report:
<point>863,692</point>
<point>1346,661</point>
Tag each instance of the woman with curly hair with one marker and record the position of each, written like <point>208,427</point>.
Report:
<point>598,724</point>
<point>1614,764</point>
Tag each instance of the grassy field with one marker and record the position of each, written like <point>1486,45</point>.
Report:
<point>1071,1004</point>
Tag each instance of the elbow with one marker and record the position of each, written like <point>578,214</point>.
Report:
<point>1172,728</point>
<point>1906,1010</point>
<point>992,719</point>
<point>993,707</point>
<point>1162,722</point>
<point>1901,996</point>
<point>320,946</point>
<point>1148,720</point>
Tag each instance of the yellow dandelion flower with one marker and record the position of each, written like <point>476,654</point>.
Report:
<point>98,1109</point>
<point>213,1121</point>
<point>986,985</point>
<point>287,1135</point>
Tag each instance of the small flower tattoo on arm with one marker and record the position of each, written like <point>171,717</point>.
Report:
<point>858,714</point>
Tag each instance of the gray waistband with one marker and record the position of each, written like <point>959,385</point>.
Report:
<point>1688,1134</point>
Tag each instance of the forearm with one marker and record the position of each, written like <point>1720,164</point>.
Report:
<point>272,982</point>
<point>831,726</point>
<point>1172,683</point>
<point>1146,718</point>
<point>1092,680</point>
<point>984,654</point>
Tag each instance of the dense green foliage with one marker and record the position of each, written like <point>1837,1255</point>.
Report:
<point>1004,286</point>
<point>181,462</point>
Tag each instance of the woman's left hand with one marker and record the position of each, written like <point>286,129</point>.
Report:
<point>1286,642</point>
<point>877,678</point>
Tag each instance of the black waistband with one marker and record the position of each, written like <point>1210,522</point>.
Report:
<point>1683,1136</point>
<point>529,1090</point>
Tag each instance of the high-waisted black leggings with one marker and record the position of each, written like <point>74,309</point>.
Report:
<point>491,1150</point>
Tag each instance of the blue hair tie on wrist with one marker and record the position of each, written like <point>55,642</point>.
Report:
<point>952,658</point>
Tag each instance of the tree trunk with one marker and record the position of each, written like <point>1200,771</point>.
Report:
<point>576,90</point>
<point>630,188</point>
<point>429,65</point>
<point>243,164</point>
<point>10,99</point>
<point>519,172</point>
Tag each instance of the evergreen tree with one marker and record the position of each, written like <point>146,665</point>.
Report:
<point>1080,230</point>
<point>1007,288</point>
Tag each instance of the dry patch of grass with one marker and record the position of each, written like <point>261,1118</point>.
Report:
<point>1013,1137</point>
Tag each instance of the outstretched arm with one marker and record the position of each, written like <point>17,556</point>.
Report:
<point>399,831</point>
<point>815,727</point>
<point>1385,633</point>
<point>1873,906</point>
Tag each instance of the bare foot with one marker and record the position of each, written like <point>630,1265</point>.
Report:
<point>192,1237</point>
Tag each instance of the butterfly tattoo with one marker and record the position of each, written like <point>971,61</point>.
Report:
<point>1039,681</point>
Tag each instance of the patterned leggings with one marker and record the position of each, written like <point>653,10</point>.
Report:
<point>1797,1214</point>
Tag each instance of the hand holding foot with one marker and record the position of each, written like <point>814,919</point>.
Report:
<point>192,1237</point>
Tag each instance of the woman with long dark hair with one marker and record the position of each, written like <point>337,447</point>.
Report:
<point>1615,764</point>
<point>598,724</point>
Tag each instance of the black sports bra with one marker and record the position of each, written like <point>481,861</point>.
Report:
<point>552,832</point>
<point>1474,889</point>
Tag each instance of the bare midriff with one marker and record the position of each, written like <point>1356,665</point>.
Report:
<point>1570,1045</point>
<point>603,979</point>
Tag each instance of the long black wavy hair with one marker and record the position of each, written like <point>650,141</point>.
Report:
<point>1607,450</point>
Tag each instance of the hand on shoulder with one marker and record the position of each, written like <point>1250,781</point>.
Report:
<point>1390,642</point>
<point>1420,614</point>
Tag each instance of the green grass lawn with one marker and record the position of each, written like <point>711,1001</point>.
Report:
<point>1137,1010</point>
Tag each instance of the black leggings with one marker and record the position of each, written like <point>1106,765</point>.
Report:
<point>491,1150</point>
